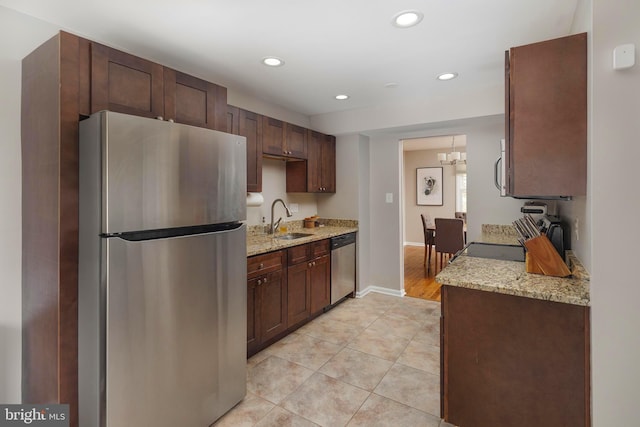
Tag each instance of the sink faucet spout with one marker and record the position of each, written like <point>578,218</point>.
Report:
<point>272,228</point>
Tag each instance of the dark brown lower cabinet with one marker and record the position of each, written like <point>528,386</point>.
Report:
<point>513,361</point>
<point>320,281</point>
<point>266,299</point>
<point>286,289</point>
<point>298,293</point>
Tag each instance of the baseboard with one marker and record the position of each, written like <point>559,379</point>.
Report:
<point>380,290</point>
<point>414,244</point>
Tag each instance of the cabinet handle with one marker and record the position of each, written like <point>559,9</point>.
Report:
<point>259,282</point>
<point>159,118</point>
<point>265,280</point>
<point>170,120</point>
<point>261,266</point>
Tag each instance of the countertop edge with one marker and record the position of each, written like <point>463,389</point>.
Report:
<point>264,243</point>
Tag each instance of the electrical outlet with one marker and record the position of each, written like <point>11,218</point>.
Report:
<point>293,207</point>
<point>389,198</point>
<point>576,228</point>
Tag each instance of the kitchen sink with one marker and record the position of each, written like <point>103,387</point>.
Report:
<point>293,236</point>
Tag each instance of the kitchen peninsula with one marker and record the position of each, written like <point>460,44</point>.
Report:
<point>515,346</point>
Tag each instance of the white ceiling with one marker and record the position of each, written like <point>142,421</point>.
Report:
<point>329,46</point>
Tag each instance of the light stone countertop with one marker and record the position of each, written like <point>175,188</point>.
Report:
<point>258,242</point>
<point>510,277</point>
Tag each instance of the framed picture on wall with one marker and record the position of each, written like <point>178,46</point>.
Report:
<point>429,186</point>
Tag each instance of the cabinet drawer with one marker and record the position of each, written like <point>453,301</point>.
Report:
<point>319,248</point>
<point>298,254</point>
<point>261,264</point>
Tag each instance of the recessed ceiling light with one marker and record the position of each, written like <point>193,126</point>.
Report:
<point>342,97</point>
<point>272,61</point>
<point>407,18</point>
<point>447,76</point>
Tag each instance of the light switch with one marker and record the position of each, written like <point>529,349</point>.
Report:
<point>389,197</point>
<point>624,56</point>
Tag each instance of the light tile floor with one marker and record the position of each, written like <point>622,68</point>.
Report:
<point>371,361</point>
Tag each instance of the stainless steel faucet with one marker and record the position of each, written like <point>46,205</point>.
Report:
<point>272,229</point>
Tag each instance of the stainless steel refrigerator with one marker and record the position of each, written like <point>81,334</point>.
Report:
<point>162,272</point>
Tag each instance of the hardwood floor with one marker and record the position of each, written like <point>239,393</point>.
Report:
<point>417,282</point>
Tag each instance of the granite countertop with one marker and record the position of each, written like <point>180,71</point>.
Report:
<point>258,242</point>
<point>510,277</point>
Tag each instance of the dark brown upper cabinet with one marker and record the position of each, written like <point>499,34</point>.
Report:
<point>318,173</point>
<point>128,84</point>
<point>125,83</point>
<point>192,101</point>
<point>295,143</point>
<point>273,137</point>
<point>248,124</point>
<point>546,118</point>
<point>281,139</point>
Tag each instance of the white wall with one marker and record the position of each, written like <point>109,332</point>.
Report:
<point>615,145</point>
<point>274,180</point>
<point>351,199</point>
<point>19,35</point>
<point>413,233</point>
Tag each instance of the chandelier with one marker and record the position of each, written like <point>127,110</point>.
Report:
<point>454,157</point>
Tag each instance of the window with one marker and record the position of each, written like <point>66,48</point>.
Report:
<point>461,192</point>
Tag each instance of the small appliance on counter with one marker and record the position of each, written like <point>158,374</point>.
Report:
<point>537,210</point>
<point>552,226</point>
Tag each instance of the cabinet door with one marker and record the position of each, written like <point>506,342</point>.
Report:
<point>507,362</point>
<point>250,126</point>
<point>273,137</point>
<point>320,279</point>
<point>253,320</point>
<point>314,162</point>
<point>193,101</point>
<point>546,147</point>
<point>233,120</point>
<point>125,83</point>
<point>328,164</point>
<point>273,305</point>
<point>298,297</point>
<point>295,141</point>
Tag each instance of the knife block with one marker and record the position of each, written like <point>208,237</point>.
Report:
<point>542,258</point>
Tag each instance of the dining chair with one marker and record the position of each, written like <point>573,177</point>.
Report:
<point>449,237</point>
<point>429,241</point>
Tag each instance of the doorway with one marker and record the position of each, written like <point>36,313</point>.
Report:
<point>430,154</point>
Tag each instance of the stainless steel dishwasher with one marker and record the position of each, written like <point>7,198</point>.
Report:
<point>343,266</point>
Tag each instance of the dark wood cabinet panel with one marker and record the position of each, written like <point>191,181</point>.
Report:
<point>125,83</point>
<point>282,139</point>
<point>253,322</point>
<point>193,101</point>
<point>273,306</point>
<point>511,360</point>
<point>328,164</point>
<point>266,299</point>
<point>49,135</point>
<point>233,120</point>
<point>298,293</point>
<point>320,281</point>
<point>546,118</point>
<point>250,126</point>
<point>318,173</point>
<point>295,143</point>
<point>273,134</point>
